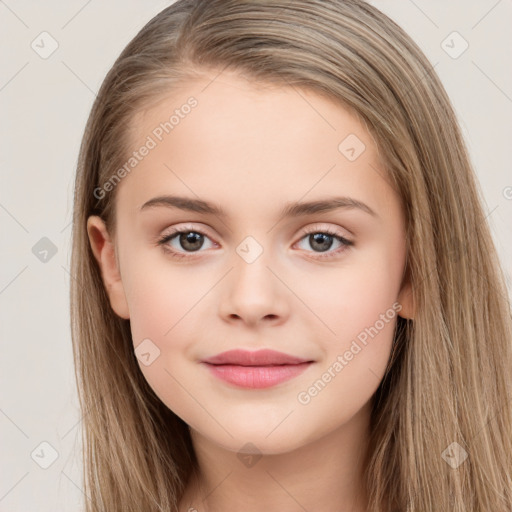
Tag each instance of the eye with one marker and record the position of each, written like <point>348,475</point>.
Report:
<point>188,240</point>
<point>321,240</point>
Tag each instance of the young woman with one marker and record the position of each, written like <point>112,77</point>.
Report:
<point>286,295</point>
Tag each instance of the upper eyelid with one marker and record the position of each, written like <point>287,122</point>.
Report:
<point>320,229</point>
<point>186,228</point>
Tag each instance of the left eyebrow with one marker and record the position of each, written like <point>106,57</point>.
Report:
<point>295,209</point>
<point>325,205</point>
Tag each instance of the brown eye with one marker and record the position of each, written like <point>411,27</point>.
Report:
<point>181,242</point>
<point>322,240</point>
<point>190,240</point>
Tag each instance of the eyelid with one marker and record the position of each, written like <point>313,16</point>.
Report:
<point>196,228</point>
<point>326,228</point>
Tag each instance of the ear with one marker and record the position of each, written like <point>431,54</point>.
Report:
<point>406,300</point>
<point>104,252</point>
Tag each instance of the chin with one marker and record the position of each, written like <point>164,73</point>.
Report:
<point>260,440</point>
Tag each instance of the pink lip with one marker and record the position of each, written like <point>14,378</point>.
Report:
<point>257,369</point>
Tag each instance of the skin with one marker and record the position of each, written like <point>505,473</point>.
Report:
<point>251,149</point>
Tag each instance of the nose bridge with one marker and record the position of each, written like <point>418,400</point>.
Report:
<point>252,290</point>
<point>251,274</point>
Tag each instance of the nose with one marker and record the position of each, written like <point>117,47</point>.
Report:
<point>254,294</point>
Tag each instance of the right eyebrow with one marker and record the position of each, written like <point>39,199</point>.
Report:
<point>185,203</point>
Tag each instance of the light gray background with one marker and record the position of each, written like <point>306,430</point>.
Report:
<point>44,104</point>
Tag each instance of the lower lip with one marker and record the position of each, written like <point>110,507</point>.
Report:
<point>256,377</point>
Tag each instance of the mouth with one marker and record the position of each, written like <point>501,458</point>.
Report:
<point>255,370</point>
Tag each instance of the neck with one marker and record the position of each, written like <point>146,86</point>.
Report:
<point>325,474</point>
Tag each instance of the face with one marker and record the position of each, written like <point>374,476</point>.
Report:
<point>239,262</point>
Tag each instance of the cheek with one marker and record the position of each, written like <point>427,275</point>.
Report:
<point>358,310</point>
<point>362,311</point>
<point>167,306</point>
<point>162,304</point>
<point>162,310</point>
<point>347,300</point>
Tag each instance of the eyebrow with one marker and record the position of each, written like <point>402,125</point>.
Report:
<point>295,209</point>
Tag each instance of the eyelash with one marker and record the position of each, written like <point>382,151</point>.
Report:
<point>163,241</point>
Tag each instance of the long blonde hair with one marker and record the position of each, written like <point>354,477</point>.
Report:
<point>448,379</point>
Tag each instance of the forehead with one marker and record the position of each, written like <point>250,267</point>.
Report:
<point>227,138</point>
<point>228,103</point>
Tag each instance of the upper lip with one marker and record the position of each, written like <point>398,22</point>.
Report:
<point>265,357</point>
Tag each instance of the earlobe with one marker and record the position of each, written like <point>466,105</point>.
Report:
<point>406,300</point>
<point>104,252</point>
